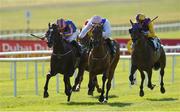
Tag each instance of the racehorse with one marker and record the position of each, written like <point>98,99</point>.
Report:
<point>83,65</point>
<point>101,61</point>
<point>63,59</point>
<point>144,58</point>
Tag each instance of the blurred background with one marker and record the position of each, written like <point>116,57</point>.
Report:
<point>18,16</point>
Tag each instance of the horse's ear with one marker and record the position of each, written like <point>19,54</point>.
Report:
<point>131,22</point>
<point>49,25</point>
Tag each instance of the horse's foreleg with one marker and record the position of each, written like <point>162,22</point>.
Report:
<point>68,88</point>
<point>141,93</point>
<point>78,80</point>
<point>48,76</point>
<point>101,98</point>
<point>150,85</point>
<point>162,83</point>
<point>91,84</point>
<point>131,76</point>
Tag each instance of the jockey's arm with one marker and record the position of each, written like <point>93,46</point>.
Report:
<point>107,29</point>
<point>151,30</point>
<point>70,32</point>
<point>85,30</point>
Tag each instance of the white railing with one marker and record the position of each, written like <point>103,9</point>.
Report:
<point>167,25</point>
<point>47,58</point>
<point>114,28</point>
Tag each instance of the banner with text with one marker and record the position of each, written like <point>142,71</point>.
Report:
<point>34,45</point>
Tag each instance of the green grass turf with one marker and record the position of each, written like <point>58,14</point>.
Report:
<point>117,11</point>
<point>122,97</point>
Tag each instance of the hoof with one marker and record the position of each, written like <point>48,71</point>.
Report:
<point>99,90</point>
<point>90,93</point>
<point>46,95</point>
<point>163,90</point>
<point>141,93</point>
<point>132,83</point>
<point>75,89</point>
<point>69,96</point>
<point>105,101</point>
<point>101,99</point>
<point>132,80</point>
<point>152,86</point>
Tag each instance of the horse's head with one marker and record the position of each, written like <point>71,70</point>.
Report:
<point>52,34</point>
<point>97,37</point>
<point>136,32</point>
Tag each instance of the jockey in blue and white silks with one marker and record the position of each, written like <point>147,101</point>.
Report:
<point>97,20</point>
<point>106,29</point>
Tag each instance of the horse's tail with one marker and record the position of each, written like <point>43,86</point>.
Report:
<point>156,66</point>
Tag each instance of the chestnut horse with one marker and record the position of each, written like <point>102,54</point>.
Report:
<point>101,61</point>
<point>83,65</point>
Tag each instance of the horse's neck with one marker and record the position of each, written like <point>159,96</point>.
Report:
<point>59,47</point>
<point>141,46</point>
<point>99,51</point>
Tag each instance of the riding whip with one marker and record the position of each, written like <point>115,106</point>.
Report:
<point>42,38</point>
<point>154,18</point>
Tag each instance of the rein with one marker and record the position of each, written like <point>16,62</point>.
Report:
<point>61,55</point>
<point>100,58</point>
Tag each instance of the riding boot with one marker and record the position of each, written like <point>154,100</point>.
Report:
<point>153,43</point>
<point>78,47</point>
<point>110,44</point>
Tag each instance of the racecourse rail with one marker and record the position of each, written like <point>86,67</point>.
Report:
<point>116,30</point>
<point>47,58</point>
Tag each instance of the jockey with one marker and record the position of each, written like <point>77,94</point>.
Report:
<point>106,30</point>
<point>148,29</point>
<point>69,31</point>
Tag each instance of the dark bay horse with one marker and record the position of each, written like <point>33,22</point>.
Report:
<point>83,65</point>
<point>63,59</point>
<point>101,61</point>
<point>144,58</point>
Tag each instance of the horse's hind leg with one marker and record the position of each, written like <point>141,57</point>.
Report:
<point>68,88</point>
<point>91,84</point>
<point>150,85</point>
<point>99,90</point>
<point>141,93</point>
<point>46,94</point>
<point>108,85</point>
<point>131,76</point>
<point>162,65</point>
<point>162,83</point>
